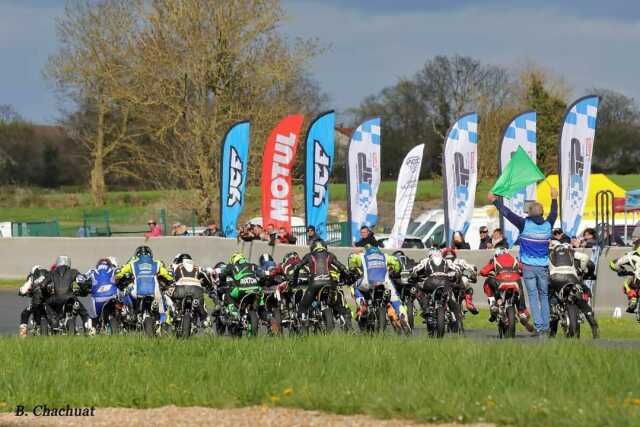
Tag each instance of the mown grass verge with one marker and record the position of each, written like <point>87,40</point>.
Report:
<point>556,383</point>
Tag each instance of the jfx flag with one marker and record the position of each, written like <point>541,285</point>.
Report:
<point>363,166</point>
<point>233,176</point>
<point>406,195</point>
<point>521,132</point>
<point>460,172</point>
<point>319,161</point>
<point>277,168</point>
<point>576,147</point>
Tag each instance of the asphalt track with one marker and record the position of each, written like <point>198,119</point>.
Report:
<point>11,304</point>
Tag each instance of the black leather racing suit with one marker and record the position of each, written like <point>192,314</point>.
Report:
<point>320,265</point>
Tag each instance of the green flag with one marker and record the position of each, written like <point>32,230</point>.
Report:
<point>519,172</point>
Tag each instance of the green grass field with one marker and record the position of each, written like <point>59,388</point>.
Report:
<point>129,210</point>
<point>563,383</point>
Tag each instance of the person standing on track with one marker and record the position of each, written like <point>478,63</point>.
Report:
<point>535,234</point>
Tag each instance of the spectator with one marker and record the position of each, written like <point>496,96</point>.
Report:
<point>485,240</point>
<point>212,230</point>
<point>458,241</point>
<point>589,238</point>
<point>535,234</point>
<point>312,236</point>
<point>285,237</point>
<point>154,229</point>
<point>559,235</point>
<point>245,233</point>
<point>270,234</point>
<point>367,238</point>
<point>611,239</point>
<point>498,240</point>
<point>178,229</point>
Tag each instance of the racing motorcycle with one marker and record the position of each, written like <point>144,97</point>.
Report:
<point>377,312</point>
<point>187,301</point>
<point>65,322</point>
<point>438,314</point>
<point>506,317</point>
<point>565,311</point>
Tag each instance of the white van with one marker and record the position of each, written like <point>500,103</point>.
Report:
<point>433,232</point>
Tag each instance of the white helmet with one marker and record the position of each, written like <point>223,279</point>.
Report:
<point>63,260</point>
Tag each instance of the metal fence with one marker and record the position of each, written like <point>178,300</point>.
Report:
<point>337,234</point>
<point>36,229</point>
<point>95,223</point>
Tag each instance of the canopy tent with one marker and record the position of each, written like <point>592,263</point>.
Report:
<point>597,182</point>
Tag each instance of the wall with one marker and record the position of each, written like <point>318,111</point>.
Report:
<point>18,255</point>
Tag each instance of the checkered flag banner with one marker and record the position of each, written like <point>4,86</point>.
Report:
<point>520,132</point>
<point>576,149</point>
<point>460,172</point>
<point>363,166</point>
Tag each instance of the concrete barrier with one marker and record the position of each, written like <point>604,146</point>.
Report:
<point>18,255</point>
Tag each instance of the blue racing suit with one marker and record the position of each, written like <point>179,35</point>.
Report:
<point>103,287</point>
<point>373,266</point>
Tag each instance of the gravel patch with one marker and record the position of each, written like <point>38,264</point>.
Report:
<point>199,416</point>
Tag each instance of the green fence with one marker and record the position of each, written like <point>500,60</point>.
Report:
<point>36,228</point>
<point>337,234</point>
<point>96,223</point>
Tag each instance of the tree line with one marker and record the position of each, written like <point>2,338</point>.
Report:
<point>152,87</point>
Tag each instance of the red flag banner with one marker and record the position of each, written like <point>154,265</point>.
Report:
<point>277,168</point>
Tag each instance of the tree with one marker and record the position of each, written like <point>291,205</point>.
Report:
<point>199,66</point>
<point>94,59</point>
<point>616,149</point>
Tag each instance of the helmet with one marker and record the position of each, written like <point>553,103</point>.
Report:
<point>431,252</point>
<point>266,261</point>
<point>449,253</point>
<point>35,268</point>
<point>436,257</point>
<point>105,261</point>
<point>144,251</point>
<point>554,244</point>
<point>293,256</point>
<point>398,254</point>
<point>63,260</point>
<point>502,251</point>
<point>220,265</point>
<point>237,258</point>
<point>351,261</point>
<point>113,260</point>
<point>318,246</point>
<point>179,258</point>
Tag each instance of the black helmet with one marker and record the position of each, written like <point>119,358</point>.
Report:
<point>220,265</point>
<point>398,254</point>
<point>179,258</point>
<point>144,251</point>
<point>291,256</point>
<point>318,246</point>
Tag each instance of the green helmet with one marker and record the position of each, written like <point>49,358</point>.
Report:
<point>237,258</point>
<point>319,246</point>
<point>352,261</point>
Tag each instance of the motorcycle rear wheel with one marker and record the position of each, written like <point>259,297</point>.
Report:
<point>327,319</point>
<point>381,318</point>
<point>147,326</point>
<point>254,323</point>
<point>185,325</point>
<point>44,326</point>
<point>114,325</point>
<point>573,324</point>
<point>410,313</point>
<point>510,326</point>
<point>440,322</point>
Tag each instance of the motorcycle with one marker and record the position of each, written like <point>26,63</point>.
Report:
<point>243,316</point>
<point>507,303</point>
<point>377,312</point>
<point>566,312</point>
<point>439,315</point>
<point>65,322</point>
<point>187,301</point>
<point>112,311</point>
<point>407,291</point>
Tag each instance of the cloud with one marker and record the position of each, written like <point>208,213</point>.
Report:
<point>372,50</point>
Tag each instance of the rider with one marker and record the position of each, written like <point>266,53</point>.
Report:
<point>323,268</point>
<point>631,287</point>
<point>373,267</point>
<point>102,283</point>
<point>437,272</point>
<point>244,277</point>
<point>145,272</point>
<point>186,273</point>
<point>33,287</point>
<point>466,274</point>
<point>503,268</point>
<point>60,288</point>
<point>568,266</point>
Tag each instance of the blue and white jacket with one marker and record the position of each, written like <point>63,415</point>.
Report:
<point>535,233</point>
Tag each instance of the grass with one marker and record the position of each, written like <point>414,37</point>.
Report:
<point>129,210</point>
<point>559,383</point>
<point>11,283</point>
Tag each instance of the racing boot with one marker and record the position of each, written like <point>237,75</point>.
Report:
<point>22,331</point>
<point>468,302</point>
<point>595,330</point>
<point>631,308</point>
<point>523,315</point>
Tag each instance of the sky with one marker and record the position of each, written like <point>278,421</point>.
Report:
<point>373,43</point>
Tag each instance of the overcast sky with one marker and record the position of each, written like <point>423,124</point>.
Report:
<point>375,42</point>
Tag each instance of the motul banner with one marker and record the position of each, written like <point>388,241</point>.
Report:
<point>363,166</point>
<point>576,147</point>
<point>277,167</point>
<point>233,176</point>
<point>406,195</point>
<point>319,161</point>
<point>521,132</point>
<point>460,173</point>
